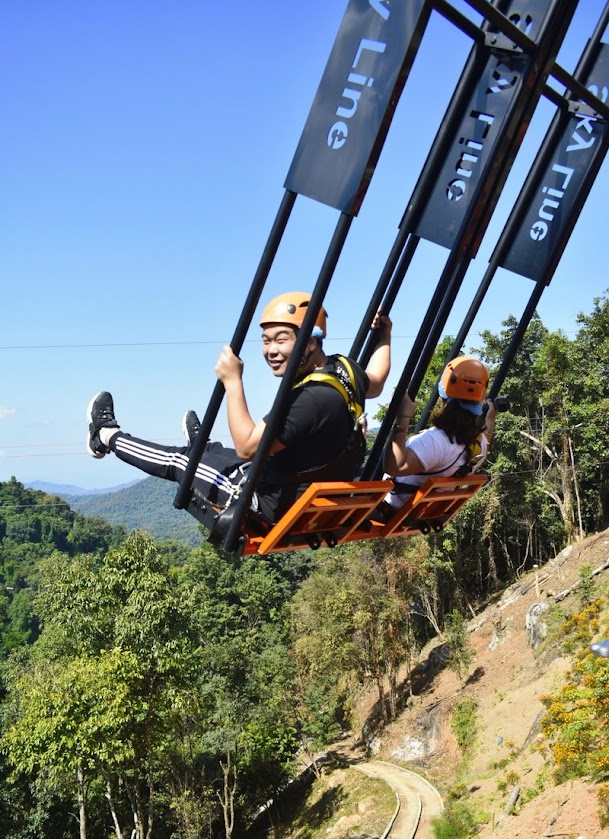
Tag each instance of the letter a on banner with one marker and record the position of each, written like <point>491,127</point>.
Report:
<point>563,186</point>
<point>354,104</point>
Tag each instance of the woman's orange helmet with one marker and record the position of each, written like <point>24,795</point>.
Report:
<point>464,378</point>
<point>291,308</point>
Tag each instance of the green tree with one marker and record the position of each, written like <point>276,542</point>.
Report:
<point>107,684</point>
<point>461,651</point>
<point>248,739</point>
<point>34,526</point>
<point>353,616</point>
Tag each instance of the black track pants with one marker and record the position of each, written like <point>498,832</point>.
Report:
<point>218,474</point>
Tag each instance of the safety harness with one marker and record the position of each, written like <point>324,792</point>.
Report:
<point>342,378</point>
<point>338,373</point>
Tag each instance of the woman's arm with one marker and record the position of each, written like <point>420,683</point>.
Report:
<point>379,365</point>
<point>399,459</point>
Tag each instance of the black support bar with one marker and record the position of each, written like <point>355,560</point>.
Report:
<point>183,494</point>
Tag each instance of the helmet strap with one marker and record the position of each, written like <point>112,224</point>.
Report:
<point>306,358</point>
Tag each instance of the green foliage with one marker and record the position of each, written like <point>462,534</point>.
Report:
<point>456,822</point>
<point>464,723</point>
<point>238,607</point>
<point>579,628</point>
<point>541,782</point>
<point>152,677</point>
<point>146,505</point>
<point>108,682</point>
<point>351,618</point>
<point>575,720</point>
<point>33,527</point>
<point>602,795</point>
<point>586,589</point>
<point>461,651</point>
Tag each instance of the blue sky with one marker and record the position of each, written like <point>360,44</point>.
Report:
<point>143,153</point>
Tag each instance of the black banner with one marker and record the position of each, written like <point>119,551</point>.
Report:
<point>354,104</point>
<point>563,186</point>
<point>486,140</point>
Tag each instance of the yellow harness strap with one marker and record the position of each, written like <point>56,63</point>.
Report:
<point>475,450</point>
<point>327,378</point>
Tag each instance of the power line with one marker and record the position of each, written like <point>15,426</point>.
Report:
<point>536,429</point>
<point>219,341</point>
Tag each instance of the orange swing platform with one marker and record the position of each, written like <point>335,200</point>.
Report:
<point>334,513</point>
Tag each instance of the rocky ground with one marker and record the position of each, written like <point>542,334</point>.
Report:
<point>507,679</point>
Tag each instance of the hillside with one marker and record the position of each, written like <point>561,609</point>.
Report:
<point>506,681</point>
<point>146,505</point>
<point>500,750</point>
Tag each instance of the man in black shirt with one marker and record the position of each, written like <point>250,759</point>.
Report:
<point>314,441</point>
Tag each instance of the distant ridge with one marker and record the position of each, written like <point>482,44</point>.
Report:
<point>145,504</point>
<point>69,489</point>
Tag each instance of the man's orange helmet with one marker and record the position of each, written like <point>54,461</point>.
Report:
<point>291,308</point>
<point>464,378</point>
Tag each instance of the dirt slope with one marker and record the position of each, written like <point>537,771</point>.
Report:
<point>506,680</point>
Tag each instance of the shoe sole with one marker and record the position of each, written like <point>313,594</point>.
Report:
<point>96,455</point>
<point>185,430</point>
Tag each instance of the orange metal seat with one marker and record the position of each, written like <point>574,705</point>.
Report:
<point>330,513</point>
<point>344,511</point>
<point>435,504</point>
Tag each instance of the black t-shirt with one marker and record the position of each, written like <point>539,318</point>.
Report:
<point>315,430</point>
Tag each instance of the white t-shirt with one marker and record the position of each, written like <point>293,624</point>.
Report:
<point>437,455</point>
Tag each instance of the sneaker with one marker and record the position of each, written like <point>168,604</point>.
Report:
<point>100,414</point>
<point>190,426</point>
<point>601,648</point>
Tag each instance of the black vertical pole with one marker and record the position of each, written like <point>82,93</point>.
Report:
<point>523,201</point>
<point>421,352</point>
<point>182,497</point>
<point>390,296</point>
<point>396,258</point>
<point>517,337</point>
<point>231,541</point>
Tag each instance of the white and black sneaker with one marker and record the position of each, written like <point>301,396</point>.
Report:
<point>100,414</point>
<point>190,426</point>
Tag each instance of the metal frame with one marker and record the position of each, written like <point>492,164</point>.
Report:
<point>497,36</point>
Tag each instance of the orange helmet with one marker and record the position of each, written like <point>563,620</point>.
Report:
<point>291,308</point>
<point>464,378</point>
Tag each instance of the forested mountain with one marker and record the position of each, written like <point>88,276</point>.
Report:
<point>63,490</point>
<point>34,526</point>
<point>159,690</point>
<point>145,505</point>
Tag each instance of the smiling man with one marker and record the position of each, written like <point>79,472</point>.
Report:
<point>319,438</point>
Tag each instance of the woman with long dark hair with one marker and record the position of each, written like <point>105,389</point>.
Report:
<point>461,429</point>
